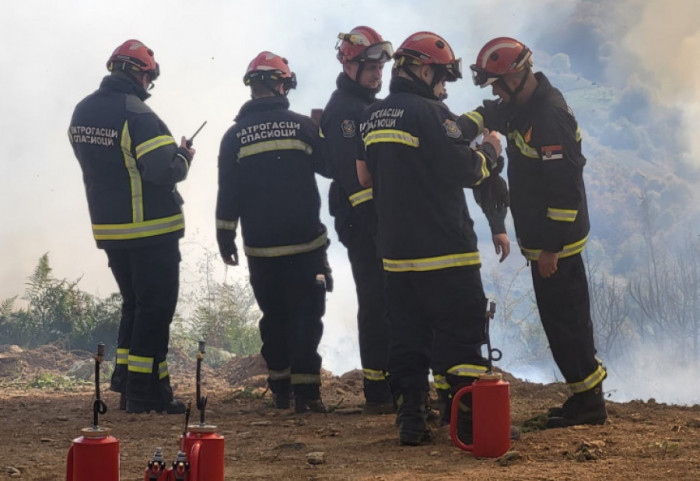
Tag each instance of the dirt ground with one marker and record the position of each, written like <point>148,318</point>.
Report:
<point>39,418</point>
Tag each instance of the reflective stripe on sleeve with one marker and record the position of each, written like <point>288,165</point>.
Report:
<point>359,197</point>
<point>122,356</point>
<point>153,144</point>
<point>226,224</point>
<point>477,118</point>
<point>432,263</point>
<point>467,370</point>
<point>523,146</point>
<point>568,250</point>
<point>289,250</point>
<point>562,215</point>
<point>163,370</point>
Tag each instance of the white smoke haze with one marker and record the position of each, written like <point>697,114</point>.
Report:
<point>641,54</point>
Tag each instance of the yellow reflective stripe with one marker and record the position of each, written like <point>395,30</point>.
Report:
<point>578,134</point>
<point>134,176</point>
<point>477,118</point>
<point>359,197</point>
<point>137,230</point>
<point>289,250</point>
<point>523,146</point>
<point>270,145</point>
<point>122,356</point>
<point>467,370</point>
<point>484,168</point>
<point>320,133</point>
<point>140,364</point>
<point>163,370</point>
<point>389,135</point>
<point>279,375</point>
<point>563,215</point>
<point>568,250</point>
<point>226,224</point>
<point>441,382</point>
<point>590,382</point>
<point>374,375</point>
<point>306,378</point>
<point>153,144</point>
<point>432,263</point>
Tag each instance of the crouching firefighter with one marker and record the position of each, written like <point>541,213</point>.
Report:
<point>267,165</point>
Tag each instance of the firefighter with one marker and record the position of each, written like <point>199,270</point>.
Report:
<point>267,162</point>
<point>362,53</point>
<point>548,203</point>
<point>131,165</point>
<point>419,163</point>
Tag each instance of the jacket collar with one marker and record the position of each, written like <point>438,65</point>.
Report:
<point>263,104</point>
<point>125,84</point>
<point>346,84</point>
<point>401,84</point>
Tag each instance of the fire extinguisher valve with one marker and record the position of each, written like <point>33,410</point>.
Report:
<point>180,466</point>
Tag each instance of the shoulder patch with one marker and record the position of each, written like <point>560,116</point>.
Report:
<point>551,152</point>
<point>451,129</point>
<point>348,128</point>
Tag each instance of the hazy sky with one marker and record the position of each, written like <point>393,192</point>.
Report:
<point>54,54</point>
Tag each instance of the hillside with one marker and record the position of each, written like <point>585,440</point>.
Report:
<point>641,440</point>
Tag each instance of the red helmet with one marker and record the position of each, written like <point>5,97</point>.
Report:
<point>268,66</point>
<point>134,55</point>
<point>501,56</point>
<point>427,48</point>
<point>363,44</point>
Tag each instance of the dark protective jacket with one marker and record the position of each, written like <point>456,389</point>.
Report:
<point>267,162</point>
<point>130,165</point>
<point>420,163</point>
<point>340,127</point>
<point>545,169</point>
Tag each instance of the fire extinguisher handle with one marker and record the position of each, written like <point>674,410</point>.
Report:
<point>454,413</point>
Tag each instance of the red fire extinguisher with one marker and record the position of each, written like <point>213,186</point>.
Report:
<point>490,408</point>
<point>491,416</point>
<point>156,470</point>
<point>95,454</point>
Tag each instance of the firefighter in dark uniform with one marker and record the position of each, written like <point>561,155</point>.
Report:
<point>548,203</point>
<point>267,165</point>
<point>130,164</point>
<point>419,164</point>
<point>362,52</point>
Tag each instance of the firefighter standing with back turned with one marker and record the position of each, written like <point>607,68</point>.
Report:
<point>267,165</point>
<point>362,52</point>
<point>548,203</point>
<point>419,164</point>
<point>130,165</point>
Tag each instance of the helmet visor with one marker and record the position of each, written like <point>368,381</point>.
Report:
<point>379,52</point>
<point>481,77</point>
<point>454,70</point>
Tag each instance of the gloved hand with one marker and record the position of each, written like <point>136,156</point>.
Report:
<point>492,194</point>
<point>227,246</point>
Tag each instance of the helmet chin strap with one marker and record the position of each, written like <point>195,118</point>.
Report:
<point>513,94</point>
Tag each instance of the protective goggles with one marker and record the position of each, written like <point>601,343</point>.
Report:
<point>481,77</point>
<point>378,52</point>
<point>454,70</point>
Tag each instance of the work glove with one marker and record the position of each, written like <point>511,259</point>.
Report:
<point>227,246</point>
<point>492,194</point>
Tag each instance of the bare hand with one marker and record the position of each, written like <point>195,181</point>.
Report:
<point>493,138</point>
<point>502,244</point>
<point>547,263</point>
<point>183,144</point>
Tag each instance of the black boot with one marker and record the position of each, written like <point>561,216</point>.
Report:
<point>307,398</point>
<point>587,407</point>
<point>411,416</point>
<point>378,398</point>
<point>281,392</point>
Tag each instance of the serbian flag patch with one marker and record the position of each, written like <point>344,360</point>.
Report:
<point>551,152</point>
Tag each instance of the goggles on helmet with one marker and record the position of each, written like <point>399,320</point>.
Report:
<point>378,52</point>
<point>481,77</point>
<point>454,70</point>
